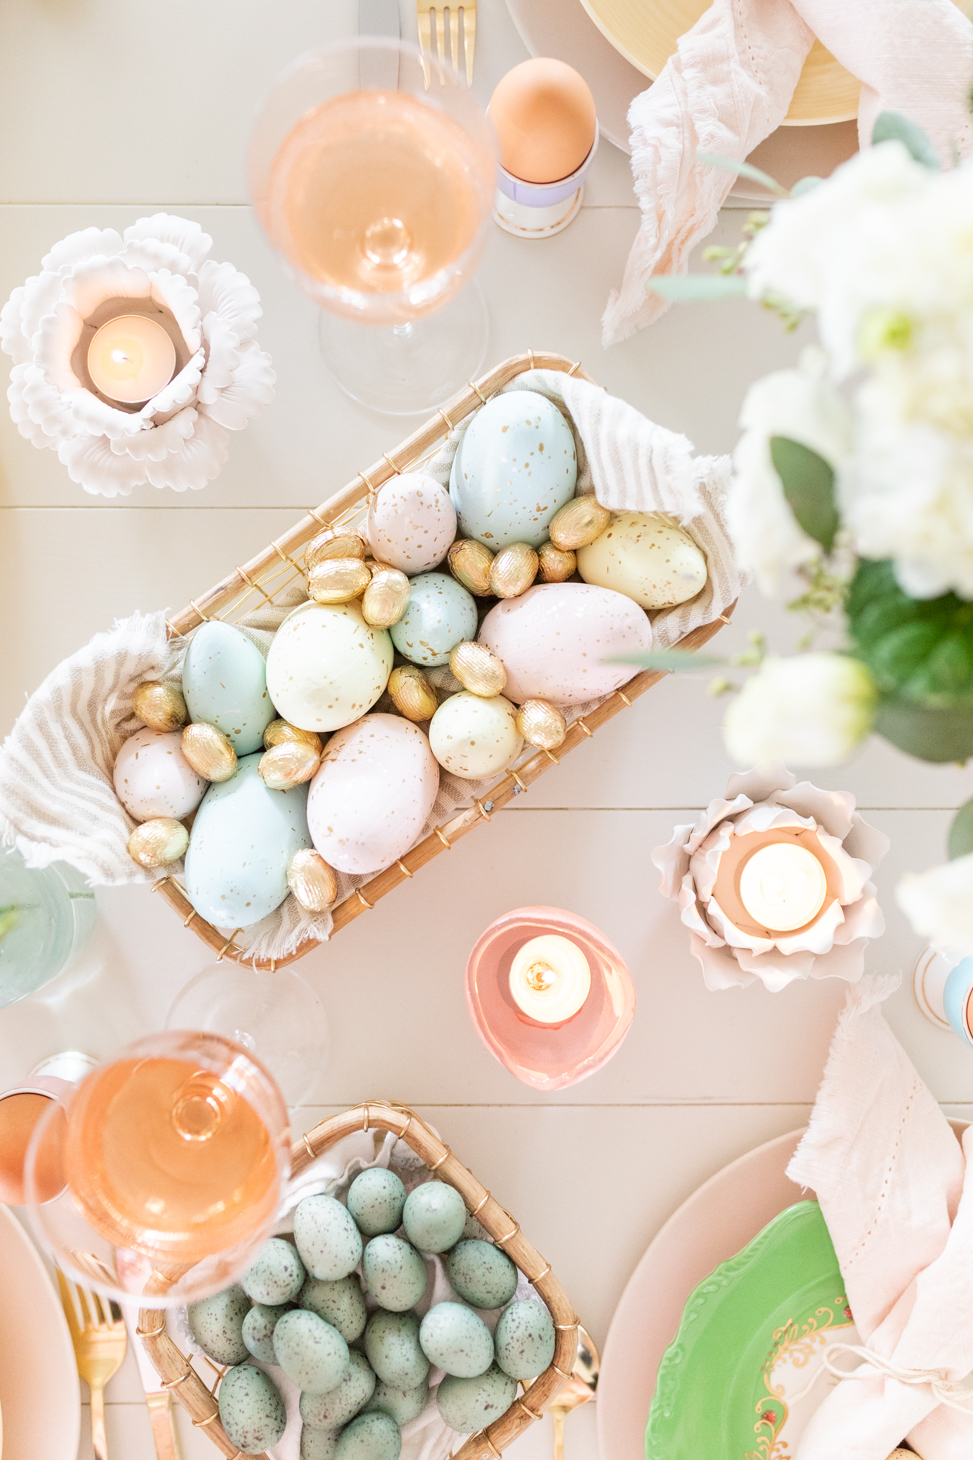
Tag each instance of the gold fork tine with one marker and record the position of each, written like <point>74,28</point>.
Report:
<point>469,38</point>
<point>67,1303</point>
<point>99,1340</point>
<point>454,34</point>
<point>440,14</point>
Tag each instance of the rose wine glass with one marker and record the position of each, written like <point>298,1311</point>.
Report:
<point>372,170</point>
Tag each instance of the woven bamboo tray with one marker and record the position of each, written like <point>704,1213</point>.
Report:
<point>264,578</point>
<point>182,1380</point>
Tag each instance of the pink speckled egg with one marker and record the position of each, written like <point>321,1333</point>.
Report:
<point>153,778</point>
<point>412,523</point>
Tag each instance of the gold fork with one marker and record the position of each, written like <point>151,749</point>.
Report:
<point>99,1347</point>
<point>429,11</point>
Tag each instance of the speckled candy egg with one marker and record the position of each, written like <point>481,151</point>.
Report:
<point>515,466</point>
<point>482,1274</point>
<point>258,1330</point>
<point>434,1216</point>
<point>403,1405</point>
<point>216,1323</point>
<point>329,1242</point>
<point>224,683</point>
<point>472,1404</point>
<point>340,1303</point>
<point>394,1273</point>
<point>311,1353</point>
<point>646,556</point>
<point>411,523</point>
<point>440,614</point>
<point>153,778</point>
<point>393,1350</point>
<point>318,1444</point>
<point>338,1405</point>
<point>375,1199</point>
<point>555,639</point>
<point>473,737</point>
<point>251,1409</point>
<point>453,1337</point>
<point>242,840</point>
<point>327,666</point>
<point>372,793</point>
<point>524,1339</point>
<point>277,1274</point>
<point>370,1437</point>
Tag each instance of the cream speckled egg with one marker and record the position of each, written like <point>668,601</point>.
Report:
<point>411,523</point>
<point>327,666</point>
<point>646,556</point>
<point>153,778</point>
<point>474,737</point>
<point>371,797</point>
<point>554,641</point>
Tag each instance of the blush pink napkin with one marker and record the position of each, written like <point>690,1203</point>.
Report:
<point>729,86</point>
<point>896,1190</point>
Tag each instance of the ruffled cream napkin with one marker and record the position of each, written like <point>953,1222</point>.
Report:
<point>729,86</point>
<point>896,1190</point>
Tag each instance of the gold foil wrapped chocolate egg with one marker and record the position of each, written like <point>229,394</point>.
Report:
<point>554,564</point>
<point>469,562</point>
<point>478,669</point>
<point>334,543</point>
<point>443,681</point>
<point>280,731</point>
<point>158,842</point>
<point>386,598</point>
<point>579,522</point>
<point>541,724</point>
<point>159,706</point>
<point>311,880</point>
<point>513,570</point>
<point>209,752</point>
<point>338,580</point>
<point>288,764</point>
<point>412,694</point>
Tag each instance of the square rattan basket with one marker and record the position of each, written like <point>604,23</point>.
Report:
<point>182,1380</point>
<point>266,577</point>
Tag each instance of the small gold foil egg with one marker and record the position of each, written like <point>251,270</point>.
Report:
<point>386,598</point>
<point>478,669</point>
<point>159,706</point>
<point>541,724</point>
<point>288,764</point>
<point>332,543</point>
<point>338,580</point>
<point>279,731</point>
<point>555,565</point>
<point>412,694</point>
<point>156,843</point>
<point>469,562</point>
<point>311,880</point>
<point>209,752</point>
<point>579,522</point>
<point>513,570</point>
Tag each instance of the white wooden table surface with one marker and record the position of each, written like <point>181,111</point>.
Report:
<point>110,110</point>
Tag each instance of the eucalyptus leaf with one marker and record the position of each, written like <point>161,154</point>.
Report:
<point>676,660</point>
<point>808,482</point>
<point>960,842</point>
<point>893,126</point>
<point>743,169</point>
<point>932,733</point>
<point>689,288</point>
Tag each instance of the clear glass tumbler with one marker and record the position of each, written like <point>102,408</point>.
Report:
<point>46,918</point>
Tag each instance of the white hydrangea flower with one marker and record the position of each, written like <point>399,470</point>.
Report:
<point>939,903</point>
<point>812,709</point>
<point>178,438</point>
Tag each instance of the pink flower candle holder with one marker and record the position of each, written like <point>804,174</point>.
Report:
<point>548,1055</point>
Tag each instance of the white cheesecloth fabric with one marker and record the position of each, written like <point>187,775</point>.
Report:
<point>729,86</point>
<point>56,797</point>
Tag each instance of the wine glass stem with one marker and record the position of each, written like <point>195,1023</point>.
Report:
<point>404,331</point>
<point>558,1417</point>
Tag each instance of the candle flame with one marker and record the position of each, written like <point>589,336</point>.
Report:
<point>540,977</point>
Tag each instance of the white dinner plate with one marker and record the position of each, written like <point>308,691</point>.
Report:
<point>39,1392</point>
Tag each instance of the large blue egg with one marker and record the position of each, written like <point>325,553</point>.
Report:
<point>224,681</point>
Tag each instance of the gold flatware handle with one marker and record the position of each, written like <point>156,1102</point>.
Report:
<point>99,1441</point>
<point>163,1430</point>
<point>558,1416</point>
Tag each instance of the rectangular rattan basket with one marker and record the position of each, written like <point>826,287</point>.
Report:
<point>182,1380</point>
<point>264,578</point>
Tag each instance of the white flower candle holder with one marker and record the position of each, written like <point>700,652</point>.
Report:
<point>157,271</point>
<point>773,882</point>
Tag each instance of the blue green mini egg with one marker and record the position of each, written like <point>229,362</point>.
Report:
<point>440,614</point>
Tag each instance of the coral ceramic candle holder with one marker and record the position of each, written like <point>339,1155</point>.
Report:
<point>184,337</point>
<point>549,1016</point>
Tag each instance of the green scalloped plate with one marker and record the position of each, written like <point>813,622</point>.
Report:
<point>751,1338</point>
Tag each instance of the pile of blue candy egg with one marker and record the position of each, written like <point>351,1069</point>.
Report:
<point>335,1310</point>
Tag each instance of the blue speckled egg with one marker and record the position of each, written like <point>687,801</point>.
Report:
<point>216,1323</point>
<point>251,1409</point>
<point>276,1275</point>
<point>224,682</point>
<point>472,1404</point>
<point>370,1437</point>
<point>402,1403</point>
<point>434,1216</point>
<point>524,1339</point>
<point>339,1301</point>
<point>242,839</point>
<point>482,1274</point>
<point>392,1348</point>
<point>329,1242</point>
<point>375,1199</point>
<point>258,1330</point>
<point>394,1273</point>
<point>311,1353</point>
<point>338,1405</point>
<point>440,614</point>
<point>453,1337</point>
<point>514,468</point>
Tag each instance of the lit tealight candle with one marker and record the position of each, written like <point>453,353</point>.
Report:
<point>131,359</point>
<point>783,887</point>
<point>550,979</point>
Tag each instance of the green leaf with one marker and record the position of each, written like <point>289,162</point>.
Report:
<point>929,732</point>
<point>805,185</point>
<point>893,126</point>
<point>808,483</point>
<point>743,169</point>
<point>918,649</point>
<point>901,652</point>
<point>676,660</point>
<point>689,288</point>
<point>960,842</point>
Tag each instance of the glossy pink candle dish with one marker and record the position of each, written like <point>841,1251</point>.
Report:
<point>551,1056</point>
